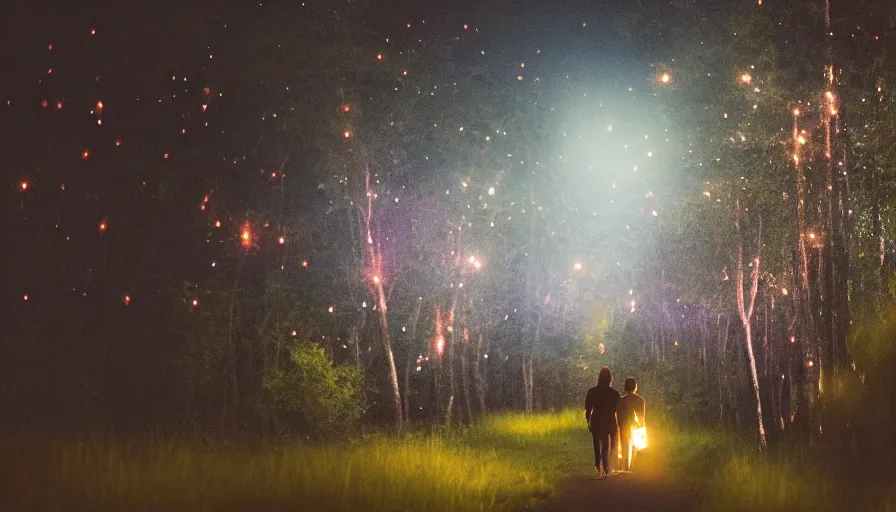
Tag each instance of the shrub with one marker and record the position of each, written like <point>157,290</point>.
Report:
<point>314,397</point>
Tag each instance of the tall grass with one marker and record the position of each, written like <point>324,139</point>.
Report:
<point>732,474</point>
<point>501,462</point>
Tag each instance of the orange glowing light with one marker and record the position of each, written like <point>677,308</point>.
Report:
<point>43,104</point>
<point>379,56</point>
<point>471,259</point>
<point>99,106</point>
<point>85,154</point>
<point>25,297</point>
<point>811,236</point>
<point>796,112</point>
<point>217,223</point>
<point>440,345</point>
<point>376,279</point>
<point>477,264</point>
<point>665,78</point>
<point>23,185</point>
<point>305,264</point>
<point>811,364</point>
<point>346,108</point>
<point>801,139</point>
<point>58,105</point>
<point>103,226</point>
<point>204,108</point>
<point>330,309</point>
<point>126,300</point>
<point>281,240</point>
<point>784,292</point>
<point>577,266</point>
<point>93,31</point>
<point>206,91</point>
<point>195,302</point>
<point>347,134</point>
<point>246,237</point>
<point>746,78</point>
<point>165,156</point>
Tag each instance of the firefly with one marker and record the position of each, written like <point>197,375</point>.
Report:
<point>118,142</point>
<point>811,236</point>
<point>305,264</point>
<point>746,78</point>
<point>347,134</point>
<point>103,226</point>
<point>43,104</point>
<point>23,186</point>
<point>195,302</point>
<point>217,223</point>
<point>796,112</point>
<point>126,300</point>
<point>577,266</point>
<point>379,56</point>
<point>376,279</point>
<point>801,139</point>
<point>477,264</point>
<point>59,105</point>
<point>346,108</point>
<point>330,309</point>
<point>784,292</point>
<point>665,78</point>
<point>246,237</point>
<point>99,106</point>
<point>281,240</point>
<point>25,297</point>
<point>491,191</point>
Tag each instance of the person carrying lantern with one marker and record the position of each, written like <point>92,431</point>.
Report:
<point>632,414</point>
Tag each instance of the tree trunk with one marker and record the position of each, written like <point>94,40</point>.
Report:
<point>747,314</point>
<point>478,377</point>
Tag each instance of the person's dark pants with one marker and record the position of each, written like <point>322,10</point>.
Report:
<point>602,447</point>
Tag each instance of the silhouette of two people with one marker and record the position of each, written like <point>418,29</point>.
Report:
<point>611,418</point>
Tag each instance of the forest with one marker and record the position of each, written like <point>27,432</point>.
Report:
<point>291,221</point>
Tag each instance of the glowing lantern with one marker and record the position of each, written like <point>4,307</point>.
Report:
<point>639,438</point>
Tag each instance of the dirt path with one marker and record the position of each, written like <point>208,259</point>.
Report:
<point>650,487</point>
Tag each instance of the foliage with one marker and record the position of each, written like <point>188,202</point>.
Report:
<point>314,396</point>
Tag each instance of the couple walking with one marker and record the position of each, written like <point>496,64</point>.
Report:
<point>611,418</point>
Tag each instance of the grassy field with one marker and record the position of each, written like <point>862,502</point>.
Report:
<point>503,461</point>
<point>500,463</point>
